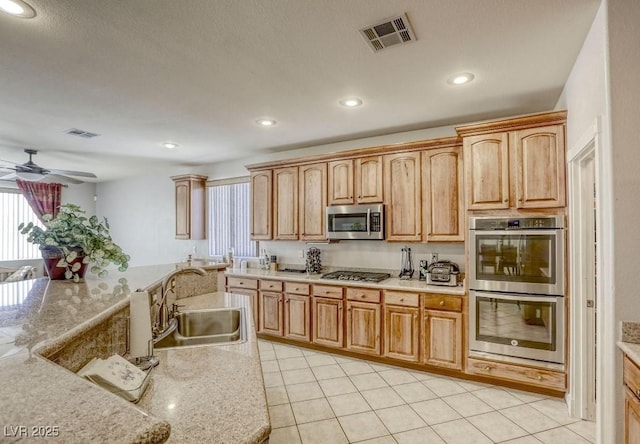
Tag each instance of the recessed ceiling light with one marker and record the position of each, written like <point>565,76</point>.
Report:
<point>460,79</point>
<point>266,122</point>
<point>170,145</point>
<point>351,102</point>
<point>17,8</point>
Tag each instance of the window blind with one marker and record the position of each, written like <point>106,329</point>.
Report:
<point>14,210</point>
<point>230,220</point>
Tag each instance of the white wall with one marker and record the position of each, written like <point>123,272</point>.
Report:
<point>82,195</point>
<point>141,214</point>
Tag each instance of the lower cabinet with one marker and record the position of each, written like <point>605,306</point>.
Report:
<point>327,322</point>
<point>443,339</point>
<point>246,287</point>
<point>271,320</point>
<point>631,377</point>
<point>402,326</point>
<point>540,377</point>
<point>363,327</point>
<point>297,317</point>
<point>285,314</point>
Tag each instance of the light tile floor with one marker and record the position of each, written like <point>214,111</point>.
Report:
<point>317,397</point>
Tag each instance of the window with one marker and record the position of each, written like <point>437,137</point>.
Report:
<point>230,219</point>
<point>15,210</point>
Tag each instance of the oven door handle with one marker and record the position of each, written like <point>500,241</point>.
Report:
<point>512,297</point>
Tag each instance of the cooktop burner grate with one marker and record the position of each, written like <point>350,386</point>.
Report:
<point>356,276</point>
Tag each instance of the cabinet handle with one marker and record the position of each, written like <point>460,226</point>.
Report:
<point>638,392</point>
<point>241,283</point>
<point>349,309</point>
<point>506,200</point>
<point>361,296</point>
<point>442,303</point>
<point>487,368</point>
<point>401,299</point>
<point>287,301</point>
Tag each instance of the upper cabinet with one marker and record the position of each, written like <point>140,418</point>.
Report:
<point>402,196</point>
<point>285,203</point>
<point>190,206</point>
<point>517,163</point>
<point>261,194</point>
<point>355,181</point>
<point>442,194</point>
<point>312,192</point>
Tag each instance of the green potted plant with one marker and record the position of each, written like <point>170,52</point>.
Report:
<point>72,241</point>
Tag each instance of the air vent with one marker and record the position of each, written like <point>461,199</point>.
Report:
<point>390,32</point>
<point>80,133</point>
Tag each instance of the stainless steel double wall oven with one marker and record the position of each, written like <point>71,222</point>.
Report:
<point>517,285</point>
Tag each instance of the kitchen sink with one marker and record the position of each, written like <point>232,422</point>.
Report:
<point>220,326</point>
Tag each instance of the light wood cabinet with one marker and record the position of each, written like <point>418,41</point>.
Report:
<point>368,179</point>
<point>297,317</point>
<point>443,339</point>
<point>327,322</point>
<point>486,163</point>
<point>285,203</point>
<point>402,195</point>
<point>261,204</point>
<point>313,200</point>
<point>363,327</point>
<point>515,163</point>
<point>443,194</point>
<point>401,332</point>
<point>271,321</point>
<point>340,182</point>
<point>539,167</point>
<point>539,377</point>
<point>247,287</point>
<point>190,206</point>
<point>631,377</point>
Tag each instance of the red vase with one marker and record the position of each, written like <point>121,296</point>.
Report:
<point>52,256</point>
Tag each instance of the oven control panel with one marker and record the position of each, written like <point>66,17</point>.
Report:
<point>521,223</point>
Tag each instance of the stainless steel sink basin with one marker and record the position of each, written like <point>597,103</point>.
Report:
<point>220,326</point>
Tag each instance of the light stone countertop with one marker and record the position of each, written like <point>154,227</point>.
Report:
<point>388,284</point>
<point>632,350</point>
<point>38,316</point>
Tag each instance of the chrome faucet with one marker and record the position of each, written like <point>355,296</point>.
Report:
<point>163,316</point>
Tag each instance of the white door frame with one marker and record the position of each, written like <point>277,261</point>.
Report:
<point>581,323</point>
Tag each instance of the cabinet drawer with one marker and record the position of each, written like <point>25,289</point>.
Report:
<point>237,282</point>
<point>270,285</point>
<point>363,295</point>
<point>327,291</point>
<point>295,288</point>
<point>534,376</point>
<point>631,376</point>
<point>442,302</point>
<point>402,298</point>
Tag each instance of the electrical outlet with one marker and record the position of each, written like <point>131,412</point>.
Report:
<point>434,257</point>
<point>301,254</point>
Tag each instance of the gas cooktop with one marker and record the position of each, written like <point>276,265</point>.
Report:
<point>362,276</point>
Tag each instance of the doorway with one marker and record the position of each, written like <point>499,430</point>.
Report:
<point>583,302</point>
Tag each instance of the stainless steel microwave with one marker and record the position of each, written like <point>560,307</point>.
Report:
<point>364,222</point>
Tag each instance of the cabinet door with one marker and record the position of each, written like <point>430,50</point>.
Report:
<point>368,178</point>
<point>442,197</point>
<point>255,305</point>
<point>631,418</point>
<point>540,167</point>
<point>297,316</point>
<point>285,203</point>
<point>363,327</point>
<point>443,339</point>
<point>403,196</point>
<point>327,322</point>
<point>261,201</point>
<point>189,205</point>
<point>401,333</point>
<point>183,209</point>
<point>340,179</point>
<point>313,200</point>
<point>271,313</point>
<point>486,164</point>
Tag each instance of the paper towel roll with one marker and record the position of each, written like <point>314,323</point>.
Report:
<point>140,324</point>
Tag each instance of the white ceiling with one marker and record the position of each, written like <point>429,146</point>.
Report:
<point>200,72</point>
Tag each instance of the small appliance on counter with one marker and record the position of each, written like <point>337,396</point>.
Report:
<point>443,273</point>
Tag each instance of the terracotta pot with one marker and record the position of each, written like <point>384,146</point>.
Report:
<point>52,255</point>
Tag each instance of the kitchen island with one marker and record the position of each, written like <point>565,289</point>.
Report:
<point>189,398</point>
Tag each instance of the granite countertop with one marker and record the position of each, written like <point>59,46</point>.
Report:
<point>37,316</point>
<point>630,340</point>
<point>388,284</point>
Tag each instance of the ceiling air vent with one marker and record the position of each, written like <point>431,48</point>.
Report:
<point>389,32</point>
<point>80,133</point>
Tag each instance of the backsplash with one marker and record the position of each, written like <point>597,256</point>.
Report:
<point>630,332</point>
<point>365,254</point>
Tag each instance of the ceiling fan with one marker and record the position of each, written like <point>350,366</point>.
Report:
<point>32,172</point>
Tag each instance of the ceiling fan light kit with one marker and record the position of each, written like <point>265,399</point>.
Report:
<point>32,172</point>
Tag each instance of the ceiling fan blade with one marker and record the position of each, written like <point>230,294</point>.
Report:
<point>59,178</point>
<point>8,176</point>
<point>9,161</point>
<point>72,173</point>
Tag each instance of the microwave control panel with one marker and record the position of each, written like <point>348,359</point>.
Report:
<point>375,223</point>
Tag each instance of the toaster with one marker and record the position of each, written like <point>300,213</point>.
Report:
<point>443,273</point>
